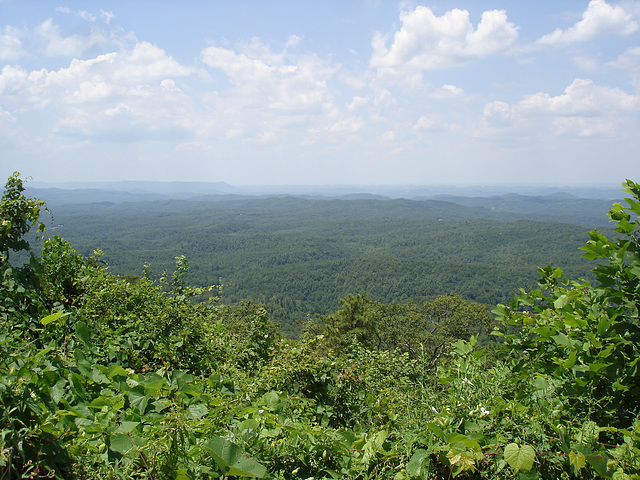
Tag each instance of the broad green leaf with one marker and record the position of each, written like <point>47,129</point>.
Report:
<point>83,365</point>
<point>561,301</point>
<point>532,475</point>
<point>154,384</point>
<point>83,333</point>
<point>599,464</point>
<point>436,430</point>
<point>419,464</point>
<point>137,398</point>
<point>183,474</point>
<point>198,411</point>
<point>519,458</point>
<point>462,347</point>
<point>570,362</point>
<point>161,404</point>
<point>634,206</point>
<point>116,371</point>
<point>540,383</point>
<point>232,461</point>
<point>57,391</point>
<point>620,475</point>
<point>120,443</point>
<point>100,402</point>
<point>596,367</point>
<point>578,460</point>
<point>98,376</point>
<point>562,339</point>
<point>606,352</point>
<point>126,427</point>
<point>54,317</point>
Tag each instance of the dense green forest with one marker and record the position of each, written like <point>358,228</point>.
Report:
<point>107,376</point>
<point>299,256</point>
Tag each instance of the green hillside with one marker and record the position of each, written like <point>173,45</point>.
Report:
<point>300,256</point>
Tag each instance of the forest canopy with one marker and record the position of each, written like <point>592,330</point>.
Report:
<point>107,376</point>
<point>299,256</point>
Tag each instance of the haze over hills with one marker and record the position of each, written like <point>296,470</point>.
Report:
<point>86,192</point>
<point>574,205</point>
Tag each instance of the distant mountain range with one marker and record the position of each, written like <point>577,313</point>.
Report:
<point>136,191</point>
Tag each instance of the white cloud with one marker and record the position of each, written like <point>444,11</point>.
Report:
<point>582,97</point>
<point>126,95</point>
<point>71,46</point>
<point>89,91</point>
<point>585,126</point>
<point>584,109</point>
<point>427,42</point>
<point>147,62</point>
<point>87,16</point>
<point>389,136</point>
<point>425,122</point>
<point>447,91</point>
<point>598,19</point>
<point>293,41</point>
<point>357,103</point>
<point>12,80</point>
<point>11,43</point>
<point>107,16</point>
<point>270,91</point>
<point>384,99</point>
<point>628,60</point>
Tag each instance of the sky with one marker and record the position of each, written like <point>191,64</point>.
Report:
<point>321,92</point>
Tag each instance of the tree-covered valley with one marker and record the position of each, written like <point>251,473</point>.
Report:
<point>447,352</point>
<point>299,256</point>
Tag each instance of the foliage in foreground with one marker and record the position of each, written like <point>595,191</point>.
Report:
<point>107,377</point>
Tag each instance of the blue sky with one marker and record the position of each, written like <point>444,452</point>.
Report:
<point>358,92</point>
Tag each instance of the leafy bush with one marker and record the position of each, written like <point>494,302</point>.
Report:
<point>109,377</point>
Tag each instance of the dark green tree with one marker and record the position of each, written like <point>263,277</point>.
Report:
<point>422,330</point>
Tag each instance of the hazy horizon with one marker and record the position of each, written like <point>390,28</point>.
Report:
<point>152,190</point>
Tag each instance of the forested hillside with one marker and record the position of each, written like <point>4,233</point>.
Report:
<point>299,256</point>
<point>111,377</point>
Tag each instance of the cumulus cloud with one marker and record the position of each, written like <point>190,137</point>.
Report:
<point>11,43</point>
<point>584,109</point>
<point>428,42</point>
<point>598,19</point>
<point>357,102</point>
<point>71,46</point>
<point>582,97</point>
<point>271,91</point>
<point>126,94</point>
<point>147,62</point>
<point>12,80</point>
<point>628,60</point>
